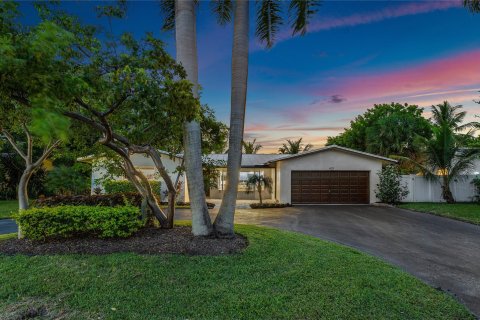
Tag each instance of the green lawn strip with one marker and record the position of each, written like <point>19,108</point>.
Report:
<point>7,236</point>
<point>281,275</point>
<point>468,212</point>
<point>7,208</point>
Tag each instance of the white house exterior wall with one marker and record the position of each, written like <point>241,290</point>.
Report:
<point>147,166</point>
<point>326,160</point>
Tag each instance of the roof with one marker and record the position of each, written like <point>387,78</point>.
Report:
<point>331,147</point>
<point>248,160</point>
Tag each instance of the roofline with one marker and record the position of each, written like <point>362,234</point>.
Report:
<point>333,146</point>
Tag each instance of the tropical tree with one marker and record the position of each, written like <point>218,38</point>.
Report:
<point>294,147</point>
<point>446,155</point>
<point>472,5</point>
<point>251,147</point>
<point>386,129</point>
<point>259,182</point>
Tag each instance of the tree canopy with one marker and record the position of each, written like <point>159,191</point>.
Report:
<point>385,129</point>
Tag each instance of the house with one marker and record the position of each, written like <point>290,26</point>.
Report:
<point>329,175</point>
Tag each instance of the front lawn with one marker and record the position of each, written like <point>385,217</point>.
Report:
<point>281,275</point>
<point>7,207</point>
<point>469,212</point>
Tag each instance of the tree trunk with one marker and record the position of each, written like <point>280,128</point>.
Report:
<point>224,221</point>
<point>446,192</point>
<point>23,189</point>
<point>23,202</point>
<point>186,45</point>
<point>260,191</point>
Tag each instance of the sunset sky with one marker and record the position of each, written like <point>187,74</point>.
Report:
<point>355,54</point>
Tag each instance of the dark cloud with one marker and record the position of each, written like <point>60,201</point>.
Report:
<point>336,98</point>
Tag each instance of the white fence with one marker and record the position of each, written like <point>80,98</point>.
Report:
<point>424,190</point>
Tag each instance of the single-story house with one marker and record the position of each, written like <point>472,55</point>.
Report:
<point>329,175</point>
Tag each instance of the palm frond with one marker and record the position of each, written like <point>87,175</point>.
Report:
<point>223,10</point>
<point>472,5</point>
<point>300,13</point>
<point>425,170</point>
<point>269,21</point>
<point>168,11</point>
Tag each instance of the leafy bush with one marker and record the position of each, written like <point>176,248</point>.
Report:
<point>269,205</point>
<point>68,180</point>
<point>389,189</point>
<point>125,186</point>
<point>73,221</point>
<point>103,200</point>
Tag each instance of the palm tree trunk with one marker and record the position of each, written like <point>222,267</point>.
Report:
<point>260,192</point>
<point>446,192</point>
<point>186,45</point>
<point>224,221</point>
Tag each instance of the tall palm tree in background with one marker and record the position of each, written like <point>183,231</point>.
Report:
<point>472,5</point>
<point>445,154</point>
<point>251,147</point>
<point>294,147</point>
<point>180,15</point>
<point>269,20</point>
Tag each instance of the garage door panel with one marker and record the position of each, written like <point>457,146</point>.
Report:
<point>330,187</point>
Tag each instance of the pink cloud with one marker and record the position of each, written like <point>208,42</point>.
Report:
<point>445,74</point>
<point>321,24</point>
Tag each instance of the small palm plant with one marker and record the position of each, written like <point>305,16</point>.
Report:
<point>259,182</point>
<point>446,155</point>
<point>294,147</point>
<point>251,147</point>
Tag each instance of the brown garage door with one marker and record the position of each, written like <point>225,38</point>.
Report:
<point>330,187</point>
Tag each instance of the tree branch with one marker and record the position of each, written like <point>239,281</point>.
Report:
<point>14,145</point>
<point>48,151</point>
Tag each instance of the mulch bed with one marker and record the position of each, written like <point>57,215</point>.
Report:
<point>147,241</point>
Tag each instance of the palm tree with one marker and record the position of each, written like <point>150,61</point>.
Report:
<point>180,16</point>
<point>445,153</point>
<point>472,5</point>
<point>258,181</point>
<point>268,23</point>
<point>251,147</point>
<point>294,147</point>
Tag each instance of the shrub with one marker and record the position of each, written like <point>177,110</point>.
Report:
<point>103,200</point>
<point>125,186</point>
<point>269,205</point>
<point>64,180</point>
<point>389,189</point>
<point>73,221</point>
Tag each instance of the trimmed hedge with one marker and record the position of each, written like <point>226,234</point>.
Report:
<point>104,200</point>
<point>79,221</point>
<point>125,186</point>
<point>269,205</point>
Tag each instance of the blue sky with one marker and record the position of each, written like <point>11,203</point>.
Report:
<point>356,54</point>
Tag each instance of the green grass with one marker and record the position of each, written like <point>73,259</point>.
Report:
<point>469,212</point>
<point>7,207</point>
<point>7,236</point>
<point>281,275</point>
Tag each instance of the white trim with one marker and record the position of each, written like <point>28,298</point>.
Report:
<point>288,157</point>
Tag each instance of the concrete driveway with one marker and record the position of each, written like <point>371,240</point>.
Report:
<point>442,252</point>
